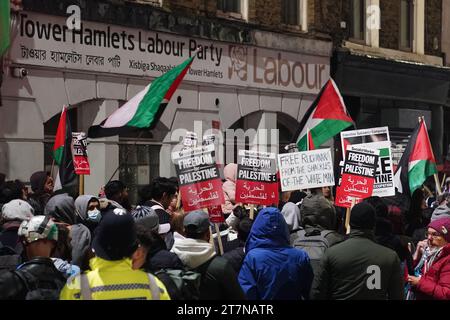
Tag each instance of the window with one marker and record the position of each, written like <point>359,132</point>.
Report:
<point>293,13</point>
<point>290,12</point>
<point>406,24</point>
<point>358,19</point>
<point>229,5</point>
<point>139,164</point>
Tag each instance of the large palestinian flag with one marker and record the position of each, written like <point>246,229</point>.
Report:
<point>417,162</point>
<point>144,109</point>
<point>326,117</point>
<point>4,26</point>
<point>62,153</point>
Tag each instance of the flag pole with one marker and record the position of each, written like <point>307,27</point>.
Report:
<point>81,186</point>
<point>438,185</point>
<point>252,211</point>
<point>443,180</point>
<point>436,177</point>
<point>51,170</point>
<point>219,238</point>
<point>347,216</point>
<point>307,139</point>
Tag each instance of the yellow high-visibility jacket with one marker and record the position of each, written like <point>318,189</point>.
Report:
<point>109,280</point>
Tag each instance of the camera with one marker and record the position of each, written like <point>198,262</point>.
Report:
<point>20,72</point>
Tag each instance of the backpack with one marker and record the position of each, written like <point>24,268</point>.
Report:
<point>9,258</point>
<point>314,243</point>
<point>33,290</point>
<point>181,284</point>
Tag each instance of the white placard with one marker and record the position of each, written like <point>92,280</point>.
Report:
<point>308,169</point>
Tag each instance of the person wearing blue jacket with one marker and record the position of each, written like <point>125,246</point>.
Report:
<point>272,269</point>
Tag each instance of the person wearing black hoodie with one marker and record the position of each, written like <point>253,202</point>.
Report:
<point>149,232</point>
<point>61,208</point>
<point>237,255</point>
<point>384,234</point>
<point>42,187</point>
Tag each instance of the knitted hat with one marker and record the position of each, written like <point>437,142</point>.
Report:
<point>363,216</point>
<point>442,226</point>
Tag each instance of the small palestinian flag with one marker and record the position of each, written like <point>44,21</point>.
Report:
<point>417,162</point>
<point>62,153</point>
<point>326,117</point>
<point>5,14</point>
<point>144,109</point>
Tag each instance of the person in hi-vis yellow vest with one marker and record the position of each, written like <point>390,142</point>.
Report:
<point>111,276</point>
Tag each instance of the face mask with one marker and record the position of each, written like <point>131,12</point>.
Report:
<point>94,215</point>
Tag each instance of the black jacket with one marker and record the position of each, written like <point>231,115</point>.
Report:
<point>236,257</point>
<point>349,271</point>
<point>160,258</point>
<point>219,281</point>
<point>37,279</point>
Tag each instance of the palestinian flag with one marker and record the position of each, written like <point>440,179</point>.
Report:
<point>144,109</point>
<point>326,117</point>
<point>4,26</point>
<point>310,145</point>
<point>417,162</point>
<point>62,153</point>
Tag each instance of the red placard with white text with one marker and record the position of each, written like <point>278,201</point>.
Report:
<point>200,184</point>
<point>257,181</point>
<point>216,214</point>
<point>79,153</point>
<point>353,186</point>
<point>358,176</point>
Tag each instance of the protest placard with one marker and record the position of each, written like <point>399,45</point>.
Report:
<point>256,181</point>
<point>375,138</point>
<point>358,175</point>
<point>79,153</point>
<point>308,169</point>
<point>216,214</point>
<point>198,175</point>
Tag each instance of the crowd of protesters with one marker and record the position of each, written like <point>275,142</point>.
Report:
<point>96,247</point>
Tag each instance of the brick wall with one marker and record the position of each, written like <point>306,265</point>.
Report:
<point>268,12</point>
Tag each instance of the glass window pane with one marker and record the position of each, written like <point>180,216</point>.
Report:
<point>405,23</point>
<point>229,5</point>
<point>358,14</point>
<point>290,12</point>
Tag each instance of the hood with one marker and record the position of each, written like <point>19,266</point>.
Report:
<point>37,181</point>
<point>316,210</point>
<point>193,252</point>
<point>62,208</point>
<point>81,205</point>
<point>291,214</point>
<point>269,230</point>
<point>443,211</point>
<point>80,242</point>
<point>230,171</point>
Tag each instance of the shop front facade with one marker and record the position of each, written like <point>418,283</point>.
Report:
<point>264,80</point>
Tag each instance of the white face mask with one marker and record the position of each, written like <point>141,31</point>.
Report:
<point>94,215</point>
